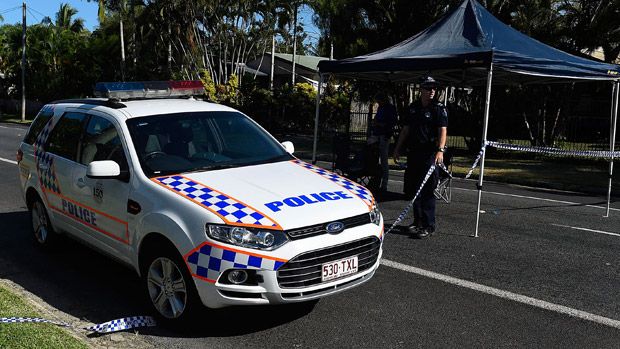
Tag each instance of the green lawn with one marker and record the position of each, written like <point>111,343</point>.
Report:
<point>15,118</point>
<point>576,175</point>
<point>30,335</point>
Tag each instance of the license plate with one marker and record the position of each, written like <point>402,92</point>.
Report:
<point>338,269</point>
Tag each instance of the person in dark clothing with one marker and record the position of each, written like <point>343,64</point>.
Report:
<point>424,134</point>
<point>382,128</point>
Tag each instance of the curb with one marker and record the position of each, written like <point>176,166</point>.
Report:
<point>26,124</point>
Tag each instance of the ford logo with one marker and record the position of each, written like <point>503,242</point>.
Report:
<point>335,227</point>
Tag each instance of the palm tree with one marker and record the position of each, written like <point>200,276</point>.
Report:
<point>593,24</point>
<point>64,19</point>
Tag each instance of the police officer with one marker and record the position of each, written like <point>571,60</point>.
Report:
<point>382,128</point>
<point>425,134</point>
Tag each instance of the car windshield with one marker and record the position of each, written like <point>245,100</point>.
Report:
<point>201,141</point>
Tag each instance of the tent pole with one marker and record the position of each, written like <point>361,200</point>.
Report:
<point>316,119</point>
<point>485,127</point>
<point>612,139</point>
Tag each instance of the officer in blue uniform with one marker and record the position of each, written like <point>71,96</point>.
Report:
<point>424,134</point>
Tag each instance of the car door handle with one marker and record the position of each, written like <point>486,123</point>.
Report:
<point>80,183</point>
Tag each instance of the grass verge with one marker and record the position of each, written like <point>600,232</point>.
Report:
<point>30,335</point>
<point>15,119</point>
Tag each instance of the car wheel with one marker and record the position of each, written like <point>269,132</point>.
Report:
<point>42,229</point>
<point>170,288</point>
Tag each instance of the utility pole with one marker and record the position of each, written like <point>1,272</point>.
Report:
<point>169,51</point>
<point>24,61</point>
<point>122,51</point>
<point>273,60</point>
<point>294,43</point>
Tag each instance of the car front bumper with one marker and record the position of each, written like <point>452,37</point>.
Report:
<point>275,287</point>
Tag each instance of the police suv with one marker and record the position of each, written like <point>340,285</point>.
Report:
<point>200,200</point>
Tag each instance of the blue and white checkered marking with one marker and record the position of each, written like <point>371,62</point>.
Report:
<point>209,261</point>
<point>231,210</point>
<point>351,186</point>
<point>45,161</point>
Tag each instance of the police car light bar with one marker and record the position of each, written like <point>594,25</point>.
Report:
<point>148,89</point>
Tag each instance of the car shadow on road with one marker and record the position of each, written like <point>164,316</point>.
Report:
<point>235,321</point>
<point>92,287</point>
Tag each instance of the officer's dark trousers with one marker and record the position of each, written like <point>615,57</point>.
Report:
<point>418,163</point>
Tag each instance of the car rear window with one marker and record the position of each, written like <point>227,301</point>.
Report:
<point>37,125</point>
<point>65,136</point>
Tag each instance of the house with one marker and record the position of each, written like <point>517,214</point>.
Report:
<point>305,68</point>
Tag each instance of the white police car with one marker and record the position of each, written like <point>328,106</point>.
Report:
<point>200,200</point>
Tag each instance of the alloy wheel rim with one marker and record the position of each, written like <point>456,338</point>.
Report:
<point>167,288</point>
<point>39,223</point>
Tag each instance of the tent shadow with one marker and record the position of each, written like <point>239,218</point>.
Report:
<point>79,281</point>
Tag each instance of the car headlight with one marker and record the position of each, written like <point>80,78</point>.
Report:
<point>247,237</point>
<point>375,215</point>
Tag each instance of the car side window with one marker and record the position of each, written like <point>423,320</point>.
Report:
<point>65,136</point>
<point>101,141</point>
<point>37,125</point>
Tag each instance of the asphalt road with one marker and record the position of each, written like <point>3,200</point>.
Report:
<point>543,273</point>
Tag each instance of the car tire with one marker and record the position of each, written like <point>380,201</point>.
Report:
<point>42,230</point>
<point>170,288</point>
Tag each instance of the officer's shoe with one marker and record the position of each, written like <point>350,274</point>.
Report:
<point>414,229</point>
<point>426,232</point>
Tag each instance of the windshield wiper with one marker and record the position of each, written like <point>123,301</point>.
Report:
<point>212,167</point>
<point>277,158</point>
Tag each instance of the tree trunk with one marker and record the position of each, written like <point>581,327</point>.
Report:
<point>529,129</point>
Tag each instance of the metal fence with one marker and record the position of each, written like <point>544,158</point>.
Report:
<point>577,132</point>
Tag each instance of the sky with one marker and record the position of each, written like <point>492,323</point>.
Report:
<point>37,9</point>
<point>41,8</point>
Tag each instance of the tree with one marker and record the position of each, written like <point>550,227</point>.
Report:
<point>65,21</point>
<point>58,63</point>
<point>592,24</point>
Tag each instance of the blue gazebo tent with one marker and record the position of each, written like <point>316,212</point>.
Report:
<point>470,47</point>
<point>459,49</point>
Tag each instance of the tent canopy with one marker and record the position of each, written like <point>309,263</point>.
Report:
<point>460,47</point>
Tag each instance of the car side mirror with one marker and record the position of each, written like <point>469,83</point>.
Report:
<point>289,147</point>
<point>104,169</point>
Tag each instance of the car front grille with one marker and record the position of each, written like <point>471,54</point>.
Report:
<point>318,229</point>
<point>305,269</point>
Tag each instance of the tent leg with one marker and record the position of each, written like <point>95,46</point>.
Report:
<point>316,119</point>
<point>612,139</point>
<point>485,128</point>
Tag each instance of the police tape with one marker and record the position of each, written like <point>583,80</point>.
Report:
<point>445,169</point>
<point>106,327</point>
<point>403,214</point>
<point>471,170</point>
<point>604,154</point>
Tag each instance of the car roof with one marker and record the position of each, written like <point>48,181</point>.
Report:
<point>145,107</point>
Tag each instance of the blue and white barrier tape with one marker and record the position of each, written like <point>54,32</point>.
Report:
<point>555,151</point>
<point>106,327</point>
<point>445,169</point>
<point>14,320</point>
<point>605,154</point>
<point>403,214</point>
<point>123,324</point>
<point>471,170</point>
